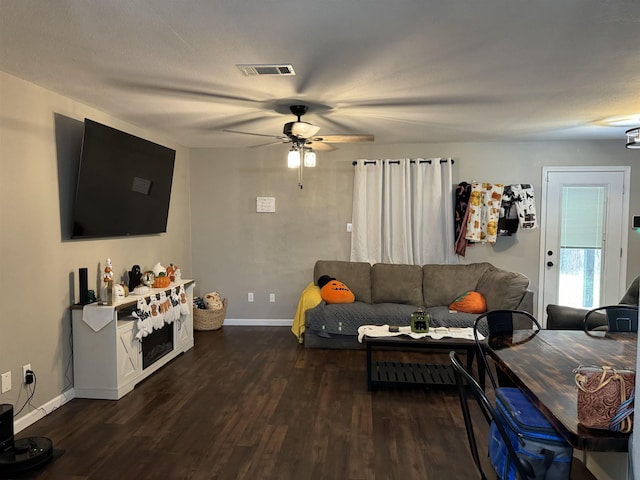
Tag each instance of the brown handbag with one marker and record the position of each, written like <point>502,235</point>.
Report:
<point>605,397</point>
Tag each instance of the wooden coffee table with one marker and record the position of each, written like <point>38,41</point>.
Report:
<point>400,374</point>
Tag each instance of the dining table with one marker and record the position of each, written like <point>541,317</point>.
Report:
<point>542,364</point>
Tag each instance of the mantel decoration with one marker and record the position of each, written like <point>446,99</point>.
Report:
<point>106,289</point>
<point>633,138</point>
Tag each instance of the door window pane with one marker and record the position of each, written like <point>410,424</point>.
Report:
<point>581,243</point>
<point>579,284</point>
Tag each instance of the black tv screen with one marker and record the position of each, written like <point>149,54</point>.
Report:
<point>124,184</point>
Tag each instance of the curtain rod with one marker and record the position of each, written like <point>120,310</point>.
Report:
<point>372,162</point>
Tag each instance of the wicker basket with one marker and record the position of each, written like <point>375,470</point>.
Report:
<point>209,319</point>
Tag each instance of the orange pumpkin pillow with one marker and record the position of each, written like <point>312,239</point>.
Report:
<point>470,302</point>
<point>334,291</point>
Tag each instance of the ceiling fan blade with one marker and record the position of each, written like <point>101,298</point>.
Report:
<point>269,144</point>
<point>345,138</point>
<point>279,137</point>
<point>432,101</point>
<point>210,92</point>
<point>319,146</point>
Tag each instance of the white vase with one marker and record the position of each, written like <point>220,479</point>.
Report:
<point>157,269</point>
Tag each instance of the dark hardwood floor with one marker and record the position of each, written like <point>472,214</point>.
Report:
<point>250,403</point>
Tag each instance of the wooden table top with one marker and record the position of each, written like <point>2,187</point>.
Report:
<point>542,366</point>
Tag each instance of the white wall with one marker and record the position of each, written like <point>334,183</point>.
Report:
<point>40,136</point>
<point>237,250</point>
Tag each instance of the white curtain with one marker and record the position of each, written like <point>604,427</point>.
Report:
<point>403,211</point>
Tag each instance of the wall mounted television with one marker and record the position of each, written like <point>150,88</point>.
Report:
<point>124,184</point>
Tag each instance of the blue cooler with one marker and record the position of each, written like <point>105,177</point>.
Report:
<point>533,438</point>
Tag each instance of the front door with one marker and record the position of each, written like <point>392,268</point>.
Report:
<point>584,236</point>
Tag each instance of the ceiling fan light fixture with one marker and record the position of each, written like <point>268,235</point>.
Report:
<point>293,159</point>
<point>633,138</point>
<point>300,129</point>
<point>309,158</point>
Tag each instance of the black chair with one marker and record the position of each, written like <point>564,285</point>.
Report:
<point>612,318</point>
<point>467,384</point>
<point>500,323</point>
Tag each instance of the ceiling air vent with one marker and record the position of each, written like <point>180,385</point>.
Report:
<point>260,69</point>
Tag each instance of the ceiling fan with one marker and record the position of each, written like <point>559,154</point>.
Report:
<point>303,134</point>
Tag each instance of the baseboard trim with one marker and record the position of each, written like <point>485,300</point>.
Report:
<point>42,411</point>
<point>258,322</point>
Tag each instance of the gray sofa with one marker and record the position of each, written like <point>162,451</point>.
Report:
<point>389,293</point>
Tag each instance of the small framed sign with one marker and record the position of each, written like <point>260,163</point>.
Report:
<point>266,204</point>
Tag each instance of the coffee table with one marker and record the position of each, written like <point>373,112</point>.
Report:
<point>400,374</point>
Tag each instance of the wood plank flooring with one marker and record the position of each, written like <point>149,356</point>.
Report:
<point>250,403</point>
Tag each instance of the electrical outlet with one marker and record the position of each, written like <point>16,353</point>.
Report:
<point>6,382</point>
<point>24,372</point>
<point>272,297</point>
<point>250,297</point>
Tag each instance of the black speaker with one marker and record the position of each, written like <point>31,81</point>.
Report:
<point>6,427</point>
<point>84,286</point>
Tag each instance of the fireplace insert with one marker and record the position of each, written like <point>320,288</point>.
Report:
<point>156,345</point>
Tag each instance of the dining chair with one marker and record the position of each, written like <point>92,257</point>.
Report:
<point>612,318</point>
<point>467,384</point>
<point>499,323</point>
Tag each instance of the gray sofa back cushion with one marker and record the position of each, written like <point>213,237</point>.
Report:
<point>391,283</point>
<point>502,289</point>
<point>355,275</point>
<point>442,284</point>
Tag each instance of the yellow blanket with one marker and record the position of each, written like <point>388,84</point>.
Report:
<point>309,298</point>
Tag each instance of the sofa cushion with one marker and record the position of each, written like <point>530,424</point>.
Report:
<point>393,283</point>
<point>502,289</point>
<point>442,284</point>
<point>442,317</point>
<point>356,275</point>
<point>341,319</point>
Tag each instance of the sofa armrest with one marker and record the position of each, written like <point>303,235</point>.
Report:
<point>561,317</point>
<point>526,303</point>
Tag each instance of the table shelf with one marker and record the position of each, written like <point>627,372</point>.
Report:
<point>386,373</point>
<point>390,374</point>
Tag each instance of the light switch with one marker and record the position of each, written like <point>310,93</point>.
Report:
<point>6,381</point>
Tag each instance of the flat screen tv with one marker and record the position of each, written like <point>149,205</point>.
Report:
<point>124,184</point>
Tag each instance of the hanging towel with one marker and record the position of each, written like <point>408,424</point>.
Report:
<point>508,221</point>
<point>463,191</point>
<point>525,204</point>
<point>484,211</point>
